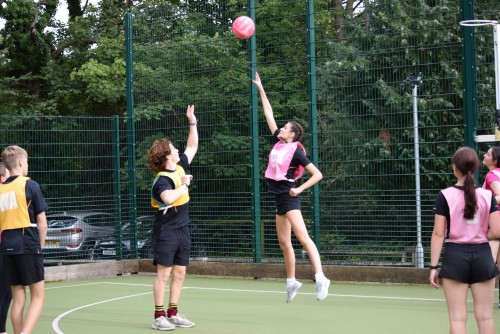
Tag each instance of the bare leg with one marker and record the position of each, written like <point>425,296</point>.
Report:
<point>17,308</point>
<point>160,283</point>
<point>178,275</point>
<point>483,311</point>
<point>456,298</point>
<point>300,231</point>
<point>37,295</point>
<point>497,258</point>
<point>284,232</point>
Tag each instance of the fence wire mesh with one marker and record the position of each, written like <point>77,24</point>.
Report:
<point>355,103</point>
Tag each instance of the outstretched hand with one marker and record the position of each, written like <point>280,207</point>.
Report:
<point>190,114</point>
<point>257,81</point>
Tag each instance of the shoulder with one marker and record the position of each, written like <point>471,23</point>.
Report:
<point>493,175</point>
<point>183,161</point>
<point>300,154</point>
<point>484,192</point>
<point>32,183</point>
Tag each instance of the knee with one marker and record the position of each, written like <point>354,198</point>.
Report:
<point>305,240</point>
<point>482,317</point>
<point>162,277</point>
<point>285,244</point>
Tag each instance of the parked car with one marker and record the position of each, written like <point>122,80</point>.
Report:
<point>75,234</point>
<point>106,248</point>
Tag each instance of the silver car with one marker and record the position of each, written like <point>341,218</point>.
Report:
<point>74,234</point>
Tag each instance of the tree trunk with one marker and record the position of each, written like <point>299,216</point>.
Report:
<point>367,14</point>
<point>350,8</point>
<point>339,17</point>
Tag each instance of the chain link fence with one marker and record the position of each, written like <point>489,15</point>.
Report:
<point>347,75</point>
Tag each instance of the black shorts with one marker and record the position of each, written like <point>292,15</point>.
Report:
<point>172,247</point>
<point>468,263</point>
<point>24,269</point>
<point>285,203</point>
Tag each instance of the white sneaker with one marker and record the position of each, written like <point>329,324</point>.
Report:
<point>291,290</point>
<point>322,288</point>
<point>180,321</point>
<point>162,324</point>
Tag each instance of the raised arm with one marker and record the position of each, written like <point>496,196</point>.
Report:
<point>268,110</point>
<point>192,142</point>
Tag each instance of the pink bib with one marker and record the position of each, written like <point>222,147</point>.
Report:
<point>465,231</point>
<point>280,159</point>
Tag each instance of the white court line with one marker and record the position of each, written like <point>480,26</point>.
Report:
<point>55,323</point>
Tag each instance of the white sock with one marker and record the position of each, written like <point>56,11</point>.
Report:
<point>290,281</point>
<point>319,276</point>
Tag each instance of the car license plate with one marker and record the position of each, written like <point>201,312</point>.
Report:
<point>51,243</point>
<point>109,252</point>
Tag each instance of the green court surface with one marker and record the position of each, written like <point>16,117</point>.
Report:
<point>124,305</point>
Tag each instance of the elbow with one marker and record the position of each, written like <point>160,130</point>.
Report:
<point>168,202</point>
<point>437,236</point>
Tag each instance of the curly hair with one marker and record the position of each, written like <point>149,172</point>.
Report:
<point>157,154</point>
<point>297,129</point>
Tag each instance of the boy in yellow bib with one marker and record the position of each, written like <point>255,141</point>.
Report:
<point>24,227</point>
<point>171,238</point>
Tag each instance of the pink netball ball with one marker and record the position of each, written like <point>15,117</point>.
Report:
<point>243,27</point>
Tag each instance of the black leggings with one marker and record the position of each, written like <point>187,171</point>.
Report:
<point>5,298</point>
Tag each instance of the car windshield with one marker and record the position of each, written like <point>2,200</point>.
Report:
<point>58,222</point>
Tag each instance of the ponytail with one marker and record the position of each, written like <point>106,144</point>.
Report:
<point>466,161</point>
<point>470,196</point>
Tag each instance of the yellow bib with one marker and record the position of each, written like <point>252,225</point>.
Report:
<point>177,178</point>
<point>13,207</point>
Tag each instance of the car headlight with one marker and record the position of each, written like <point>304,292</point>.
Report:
<point>141,243</point>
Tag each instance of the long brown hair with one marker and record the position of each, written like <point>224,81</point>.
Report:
<point>466,161</point>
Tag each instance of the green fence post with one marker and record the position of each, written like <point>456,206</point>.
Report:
<point>254,120</point>
<point>313,115</point>
<point>132,184</point>
<point>469,74</point>
<point>116,183</point>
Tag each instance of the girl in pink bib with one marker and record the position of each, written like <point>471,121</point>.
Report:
<point>287,162</point>
<point>465,218</point>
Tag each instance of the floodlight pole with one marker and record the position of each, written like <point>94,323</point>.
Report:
<point>496,42</point>
<point>415,82</point>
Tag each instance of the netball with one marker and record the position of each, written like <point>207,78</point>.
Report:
<point>243,27</point>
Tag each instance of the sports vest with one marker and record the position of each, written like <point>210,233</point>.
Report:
<point>467,231</point>
<point>13,207</point>
<point>177,178</point>
<point>280,159</point>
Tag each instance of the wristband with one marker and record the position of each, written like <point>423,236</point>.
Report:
<point>187,185</point>
<point>194,123</point>
<point>433,267</point>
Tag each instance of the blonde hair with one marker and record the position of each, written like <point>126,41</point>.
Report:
<point>12,154</point>
<point>3,169</point>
